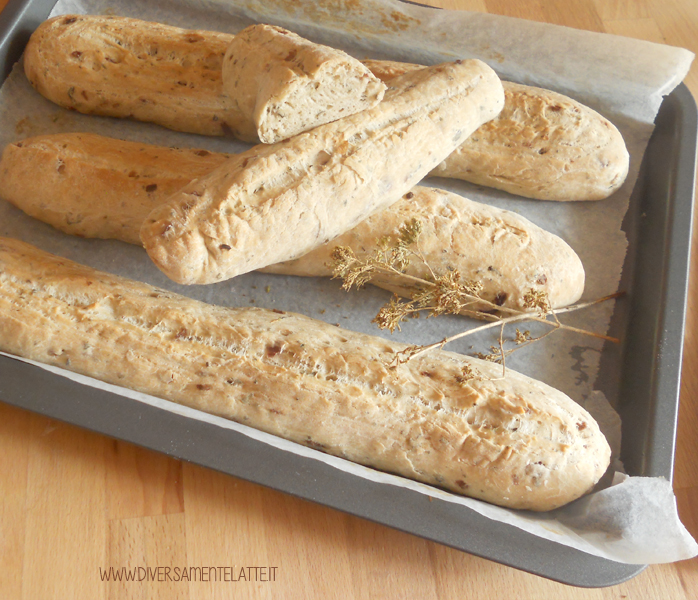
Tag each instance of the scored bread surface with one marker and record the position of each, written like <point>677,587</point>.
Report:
<point>94,186</point>
<point>511,441</point>
<point>276,202</point>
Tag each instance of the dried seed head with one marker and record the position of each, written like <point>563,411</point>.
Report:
<point>392,314</point>
<point>537,299</point>
<point>522,336</point>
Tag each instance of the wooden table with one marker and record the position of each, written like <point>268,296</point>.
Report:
<point>72,502</point>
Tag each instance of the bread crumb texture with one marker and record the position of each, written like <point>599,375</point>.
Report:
<point>286,84</point>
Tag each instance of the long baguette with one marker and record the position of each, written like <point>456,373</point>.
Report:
<point>94,186</point>
<point>122,67</point>
<point>544,145</point>
<point>278,202</point>
<point>504,252</point>
<point>512,441</point>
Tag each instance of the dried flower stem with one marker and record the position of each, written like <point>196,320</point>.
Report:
<point>446,294</point>
<point>498,321</point>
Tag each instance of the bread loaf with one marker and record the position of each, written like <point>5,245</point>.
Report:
<point>542,145</point>
<point>499,249</point>
<point>511,441</point>
<point>94,186</point>
<point>278,202</point>
<point>121,67</point>
<point>286,85</point>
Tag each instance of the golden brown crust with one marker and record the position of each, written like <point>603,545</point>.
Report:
<point>121,67</point>
<point>542,145</point>
<point>277,202</point>
<point>586,158</point>
<point>513,441</point>
<point>94,186</point>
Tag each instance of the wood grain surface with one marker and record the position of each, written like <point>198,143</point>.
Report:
<point>74,502</point>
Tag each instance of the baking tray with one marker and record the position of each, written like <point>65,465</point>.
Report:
<point>655,273</point>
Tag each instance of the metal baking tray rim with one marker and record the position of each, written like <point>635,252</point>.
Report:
<point>654,373</point>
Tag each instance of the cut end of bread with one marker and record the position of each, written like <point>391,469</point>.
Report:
<point>333,92</point>
<point>287,85</point>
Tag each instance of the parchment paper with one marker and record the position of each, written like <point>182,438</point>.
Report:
<point>621,78</point>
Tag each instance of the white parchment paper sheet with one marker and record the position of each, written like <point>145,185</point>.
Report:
<point>621,78</point>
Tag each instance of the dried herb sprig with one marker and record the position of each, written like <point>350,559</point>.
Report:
<point>446,293</point>
<point>498,354</point>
